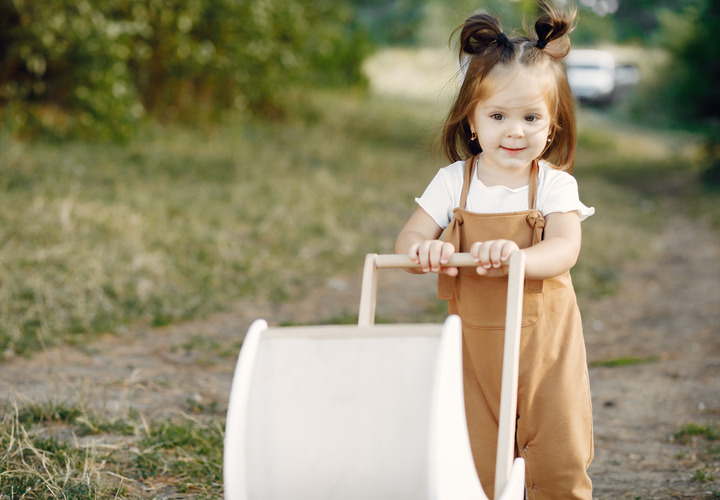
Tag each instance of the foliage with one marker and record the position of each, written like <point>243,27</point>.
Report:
<point>679,86</point>
<point>593,29</point>
<point>694,70</point>
<point>693,73</point>
<point>94,68</point>
<point>640,21</point>
<point>394,22</point>
<point>68,56</point>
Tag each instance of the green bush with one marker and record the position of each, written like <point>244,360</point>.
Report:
<point>691,87</point>
<point>93,68</point>
<point>63,56</point>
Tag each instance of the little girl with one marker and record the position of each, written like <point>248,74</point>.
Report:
<point>511,133</point>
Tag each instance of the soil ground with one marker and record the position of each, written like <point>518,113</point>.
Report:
<point>666,313</point>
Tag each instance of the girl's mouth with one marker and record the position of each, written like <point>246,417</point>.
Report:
<point>512,151</point>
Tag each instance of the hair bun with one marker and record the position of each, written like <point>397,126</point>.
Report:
<point>478,33</point>
<point>552,30</point>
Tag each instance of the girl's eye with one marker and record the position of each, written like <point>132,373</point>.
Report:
<point>531,118</point>
<point>496,116</point>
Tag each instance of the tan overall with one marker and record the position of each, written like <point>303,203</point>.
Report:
<point>554,423</point>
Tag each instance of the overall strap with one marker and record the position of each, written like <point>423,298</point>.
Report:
<point>446,284</point>
<point>467,179</point>
<point>535,218</point>
<point>533,185</point>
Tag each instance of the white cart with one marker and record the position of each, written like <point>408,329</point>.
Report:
<point>365,412</point>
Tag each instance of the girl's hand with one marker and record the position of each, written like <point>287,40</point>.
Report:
<point>493,256</point>
<point>432,255</point>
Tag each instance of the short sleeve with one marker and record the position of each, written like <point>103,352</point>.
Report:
<point>559,193</point>
<point>443,194</point>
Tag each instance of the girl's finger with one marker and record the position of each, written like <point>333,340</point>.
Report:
<point>484,253</point>
<point>424,256</point>
<point>481,270</point>
<point>413,252</point>
<point>474,248</point>
<point>508,250</point>
<point>435,255</point>
<point>446,251</point>
<point>495,253</point>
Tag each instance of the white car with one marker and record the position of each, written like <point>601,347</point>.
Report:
<point>594,75</point>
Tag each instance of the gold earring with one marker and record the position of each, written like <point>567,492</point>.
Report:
<point>473,136</point>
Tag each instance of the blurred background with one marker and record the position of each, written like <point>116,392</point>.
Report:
<point>162,159</point>
<point>100,69</point>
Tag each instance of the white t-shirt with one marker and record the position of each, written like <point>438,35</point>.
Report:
<point>557,192</point>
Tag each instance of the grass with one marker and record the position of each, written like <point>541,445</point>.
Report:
<point>631,175</point>
<point>705,454</point>
<point>207,351</point>
<point>624,361</point>
<point>180,223</point>
<point>694,431</point>
<point>62,450</point>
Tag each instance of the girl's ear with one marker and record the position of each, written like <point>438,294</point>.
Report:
<point>550,138</point>
<point>473,132</point>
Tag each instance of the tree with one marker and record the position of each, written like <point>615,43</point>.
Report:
<point>392,22</point>
<point>640,20</point>
<point>693,75</point>
<point>95,67</point>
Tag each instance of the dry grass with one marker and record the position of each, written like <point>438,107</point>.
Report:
<point>177,224</point>
<point>634,176</point>
<point>65,451</point>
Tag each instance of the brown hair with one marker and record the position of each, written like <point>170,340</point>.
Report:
<point>483,45</point>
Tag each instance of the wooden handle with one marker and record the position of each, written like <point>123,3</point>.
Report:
<point>373,262</point>
<point>392,261</point>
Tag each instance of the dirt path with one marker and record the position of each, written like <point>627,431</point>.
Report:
<point>668,310</point>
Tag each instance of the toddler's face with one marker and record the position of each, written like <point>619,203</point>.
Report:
<point>513,121</point>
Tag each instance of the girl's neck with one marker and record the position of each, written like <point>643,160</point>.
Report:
<point>512,179</point>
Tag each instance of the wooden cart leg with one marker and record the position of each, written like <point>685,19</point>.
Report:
<point>511,355</point>
<point>368,295</point>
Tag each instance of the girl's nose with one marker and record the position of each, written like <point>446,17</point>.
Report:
<point>515,130</point>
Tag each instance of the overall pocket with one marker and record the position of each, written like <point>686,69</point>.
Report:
<point>482,302</point>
